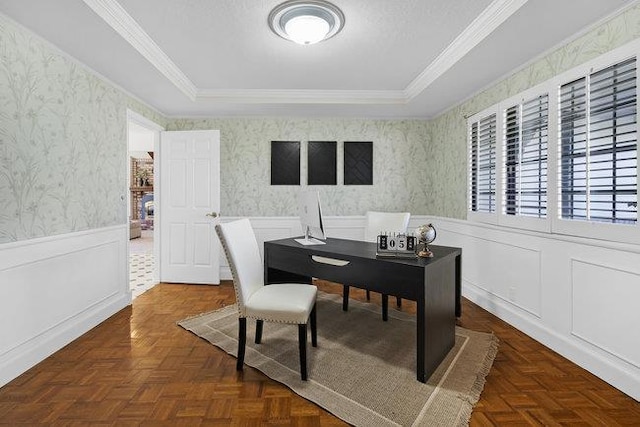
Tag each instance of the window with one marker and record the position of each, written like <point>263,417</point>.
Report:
<point>598,146</point>
<point>482,137</point>
<point>525,156</point>
<point>562,157</point>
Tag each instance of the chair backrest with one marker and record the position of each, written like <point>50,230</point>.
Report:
<point>242,251</point>
<point>392,222</point>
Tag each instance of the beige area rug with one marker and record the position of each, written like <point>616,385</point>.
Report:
<point>363,370</point>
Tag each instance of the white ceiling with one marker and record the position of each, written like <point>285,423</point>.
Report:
<point>402,58</point>
<point>140,141</point>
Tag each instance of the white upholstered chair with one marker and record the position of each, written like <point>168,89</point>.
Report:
<point>377,222</point>
<point>284,303</point>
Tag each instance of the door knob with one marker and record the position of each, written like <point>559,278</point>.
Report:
<point>213,214</point>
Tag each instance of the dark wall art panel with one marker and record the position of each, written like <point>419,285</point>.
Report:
<point>358,163</point>
<point>285,163</point>
<point>321,156</point>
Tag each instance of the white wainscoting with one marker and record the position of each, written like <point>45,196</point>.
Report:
<point>577,296</point>
<point>596,293</point>
<point>54,289</point>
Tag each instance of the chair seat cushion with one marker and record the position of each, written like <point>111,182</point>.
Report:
<point>285,303</point>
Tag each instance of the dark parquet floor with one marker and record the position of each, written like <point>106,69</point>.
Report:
<point>139,368</point>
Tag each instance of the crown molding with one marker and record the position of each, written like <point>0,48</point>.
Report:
<point>117,18</point>
<point>486,23</point>
<point>490,19</point>
<point>303,96</point>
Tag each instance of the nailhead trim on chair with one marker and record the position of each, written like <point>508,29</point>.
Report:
<point>234,273</point>
<point>276,321</point>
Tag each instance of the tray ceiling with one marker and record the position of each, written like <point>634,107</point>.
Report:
<point>410,58</point>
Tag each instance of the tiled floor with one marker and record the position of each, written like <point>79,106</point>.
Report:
<point>142,244</point>
<point>141,263</point>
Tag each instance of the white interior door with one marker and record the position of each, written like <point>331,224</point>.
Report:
<point>189,194</point>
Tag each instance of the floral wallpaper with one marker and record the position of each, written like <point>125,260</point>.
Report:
<point>63,146</point>
<point>63,162</point>
<point>400,148</point>
<point>447,133</point>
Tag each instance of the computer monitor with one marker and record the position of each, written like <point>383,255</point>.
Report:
<point>311,219</point>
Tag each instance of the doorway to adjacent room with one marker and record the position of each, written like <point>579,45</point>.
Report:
<point>142,137</point>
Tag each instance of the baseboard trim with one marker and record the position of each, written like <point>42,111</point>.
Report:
<point>35,350</point>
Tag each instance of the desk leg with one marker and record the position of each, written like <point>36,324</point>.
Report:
<point>385,307</point>
<point>420,341</point>
<point>345,297</point>
<point>459,286</point>
<point>436,320</point>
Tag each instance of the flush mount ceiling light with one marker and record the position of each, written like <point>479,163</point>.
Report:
<point>306,22</point>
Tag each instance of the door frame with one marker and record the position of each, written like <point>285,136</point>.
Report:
<point>140,120</point>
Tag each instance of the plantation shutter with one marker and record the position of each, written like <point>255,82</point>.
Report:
<point>613,144</point>
<point>473,136</point>
<point>526,140</point>
<point>512,159</point>
<point>598,165</point>
<point>483,165</point>
<point>573,164</point>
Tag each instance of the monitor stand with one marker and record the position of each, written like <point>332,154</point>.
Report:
<point>308,241</point>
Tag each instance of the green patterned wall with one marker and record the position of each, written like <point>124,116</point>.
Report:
<point>63,162</point>
<point>448,131</point>
<point>400,148</point>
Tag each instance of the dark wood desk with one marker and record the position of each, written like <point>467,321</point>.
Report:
<point>434,283</point>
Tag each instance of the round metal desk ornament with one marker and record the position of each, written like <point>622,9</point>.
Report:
<point>426,234</point>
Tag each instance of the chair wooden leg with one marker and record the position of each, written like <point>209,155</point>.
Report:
<point>368,295</point>
<point>345,297</point>
<point>385,307</point>
<point>242,340</point>
<point>314,331</point>
<point>259,324</point>
<point>398,302</point>
<point>302,343</point>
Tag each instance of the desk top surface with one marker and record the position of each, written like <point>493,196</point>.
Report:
<point>358,249</point>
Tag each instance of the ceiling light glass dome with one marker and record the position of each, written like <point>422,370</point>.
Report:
<point>306,22</point>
